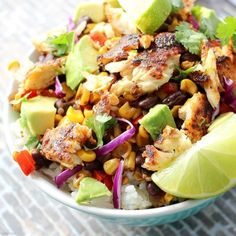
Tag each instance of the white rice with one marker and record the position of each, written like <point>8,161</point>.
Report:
<point>135,197</point>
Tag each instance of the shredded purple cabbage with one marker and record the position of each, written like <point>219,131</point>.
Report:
<point>193,21</point>
<point>71,24</point>
<point>117,186</point>
<point>230,93</point>
<point>58,89</point>
<point>102,151</point>
<point>65,175</point>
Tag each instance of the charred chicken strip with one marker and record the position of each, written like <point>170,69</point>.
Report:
<point>197,116</point>
<point>62,143</point>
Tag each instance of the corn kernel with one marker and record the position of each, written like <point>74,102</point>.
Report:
<point>103,50</point>
<point>13,65</point>
<point>187,64</point>
<point>175,111</point>
<point>188,86</point>
<point>75,115</point>
<point>79,92</point>
<point>89,28</point>
<point>138,175</point>
<point>64,120</point>
<point>123,150</point>
<point>84,99</point>
<point>129,163</point>
<point>88,113</point>
<point>137,113</point>
<point>129,97</point>
<point>141,141</point>
<point>111,166</point>
<point>94,98</point>
<point>142,132</point>
<point>68,91</point>
<point>117,130</point>
<point>87,156</point>
<point>126,111</point>
<point>58,118</point>
<point>114,100</point>
<point>125,180</point>
<point>168,197</point>
<point>79,176</point>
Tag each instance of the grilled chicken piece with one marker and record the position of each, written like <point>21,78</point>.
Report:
<point>197,115</point>
<point>149,70</point>
<point>171,143</point>
<point>120,21</point>
<point>41,76</point>
<point>121,50</point>
<point>62,143</point>
<point>226,68</point>
<point>213,85</point>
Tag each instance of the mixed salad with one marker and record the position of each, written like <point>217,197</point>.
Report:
<point>118,102</point>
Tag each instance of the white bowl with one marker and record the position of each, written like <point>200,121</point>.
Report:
<point>145,217</point>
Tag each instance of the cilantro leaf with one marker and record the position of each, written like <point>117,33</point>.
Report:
<point>183,74</point>
<point>32,142</point>
<point>226,30</point>
<point>207,19</point>
<point>177,5</point>
<point>189,38</point>
<point>234,41</point>
<point>99,124</point>
<point>62,44</point>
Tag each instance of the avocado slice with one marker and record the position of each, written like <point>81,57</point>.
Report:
<point>39,113</point>
<point>157,119</point>
<point>94,10</point>
<point>83,57</point>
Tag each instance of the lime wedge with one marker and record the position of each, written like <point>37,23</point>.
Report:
<point>208,168</point>
<point>148,15</point>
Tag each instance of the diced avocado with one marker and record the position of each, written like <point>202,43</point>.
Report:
<point>94,10</point>
<point>113,3</point>
<point>39,113</point>
<point>157,119</point>
<point>89,189</point>
<point>83,57</point>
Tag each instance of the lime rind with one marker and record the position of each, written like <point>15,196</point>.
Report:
<point>207,169</point>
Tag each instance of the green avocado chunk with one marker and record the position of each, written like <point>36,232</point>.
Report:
<point>157,119</point>
<point>39,113</point>
<point>94,10</point>
<point>90,188</point>
<point>83,57</point>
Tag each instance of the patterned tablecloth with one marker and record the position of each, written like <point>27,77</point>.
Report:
<point>24,210</point>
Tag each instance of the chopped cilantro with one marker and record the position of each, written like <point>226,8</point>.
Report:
<point>99,124</point>
<point>189,38</point>
<point>207,19</point>
<point>227,30</point>
<point>32,142</point>
<point>62,44</point>
<point>183,74</point>
<point>177,5</point>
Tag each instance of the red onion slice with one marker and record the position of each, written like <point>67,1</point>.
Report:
<point>58,89</point>
<point>65,175</point>
<point>117,186</point>
<point>102,151</point>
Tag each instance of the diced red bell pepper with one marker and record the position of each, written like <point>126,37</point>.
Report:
<point>98,37</point>
<point>25,161</point>
<point>104,178</point>
<point>31,93</point>
<point>169,88</point>
<point>135,121</point>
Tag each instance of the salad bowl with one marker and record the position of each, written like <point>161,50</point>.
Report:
<point>146,217</point>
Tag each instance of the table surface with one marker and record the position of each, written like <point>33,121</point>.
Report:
<point>24,210</point>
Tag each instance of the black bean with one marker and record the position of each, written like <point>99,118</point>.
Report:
<point>62,106</point>
<point>39,159</point>
<point>84,18</point>
<point>148,102</point>
<point>177,98</point>
<point>139,159</point>
<point>153,189</point>
<point>95,165</point>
